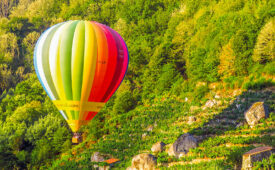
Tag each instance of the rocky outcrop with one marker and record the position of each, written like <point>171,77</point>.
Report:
<point>97,157</point>
<point>143,161</point>
<point>257,154</point>
<point>170,151</point>
<point>210,104</point>
<point>150,128</point>
<point>182,145</point>
<point>191,120</point>
<point>255,113</point>
<point>158,147</point>
<point>143,136</point>
<point>217,96</point>
<point>109,161</point>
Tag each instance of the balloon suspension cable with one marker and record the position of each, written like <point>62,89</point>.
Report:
<point>77,138</point>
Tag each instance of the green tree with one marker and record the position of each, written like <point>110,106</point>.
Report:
<point>9,49</point>
<point>6,78</point>
<point>6,6</point>
<point>166,78</point>
<point>124,102</point>
<point>227,62</point>
<point>265,49</point>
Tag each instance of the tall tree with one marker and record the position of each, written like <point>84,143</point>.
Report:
<point>6,6</point>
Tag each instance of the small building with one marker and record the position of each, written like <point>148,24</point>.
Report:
<point>254,155</point>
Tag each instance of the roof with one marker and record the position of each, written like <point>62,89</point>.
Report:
<point>112,160</point>
<point>258,150</point>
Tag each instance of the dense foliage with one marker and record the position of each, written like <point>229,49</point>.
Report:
<point>182,53</point>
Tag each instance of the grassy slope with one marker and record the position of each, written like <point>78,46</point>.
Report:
<point>186,34</point>
<point>222,143</point>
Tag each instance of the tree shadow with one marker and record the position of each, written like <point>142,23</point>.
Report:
<point>232,118</point>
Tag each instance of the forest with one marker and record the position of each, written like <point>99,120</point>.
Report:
<point>182,53</point>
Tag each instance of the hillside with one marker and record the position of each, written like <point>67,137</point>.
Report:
<point>183,55</point>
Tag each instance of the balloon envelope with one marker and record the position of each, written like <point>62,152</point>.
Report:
<point>80,64</point>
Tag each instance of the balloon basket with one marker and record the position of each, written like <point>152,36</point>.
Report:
<point>77,138</point>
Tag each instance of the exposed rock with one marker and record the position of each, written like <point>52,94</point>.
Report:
<point>210,104</point>
<point>182,145</point>
<point>150,128</point>
<point>191,119</point>
<point>97,157</point>
<point>237,92</point>
<point>255,113</point>
<point>143,161</point>
<point>171,151</point>
<point>217,96</point>
<point>143,136</point>
<point>238,106</point>
<point>200,138</point>
<point>201,83</point>
<point>257,154</point>
<point>167,148</point>
<point>158,147</point>
<point>181,155</point>
<point>103,168</point>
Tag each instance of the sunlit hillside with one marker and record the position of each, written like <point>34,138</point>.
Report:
<point>207,61</point>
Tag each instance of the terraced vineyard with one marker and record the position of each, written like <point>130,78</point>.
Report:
<point>221,130</point>
<point>194,67</point>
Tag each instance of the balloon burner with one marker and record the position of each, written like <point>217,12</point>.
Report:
<point>77,138</point>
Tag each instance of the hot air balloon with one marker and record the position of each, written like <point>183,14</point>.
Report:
<point>80,64</point>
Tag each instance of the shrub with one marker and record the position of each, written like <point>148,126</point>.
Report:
<point>167,77</point>
<point>258,84</point>
<point>265,163</point>
<point>200,92</point>
<point>123,103</point>
<point>269,68</point>
<point>264,50</point>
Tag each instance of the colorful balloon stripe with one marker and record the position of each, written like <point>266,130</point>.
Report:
<point>76,105</point>
<point>122,66</point>
<point>80,64</point>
